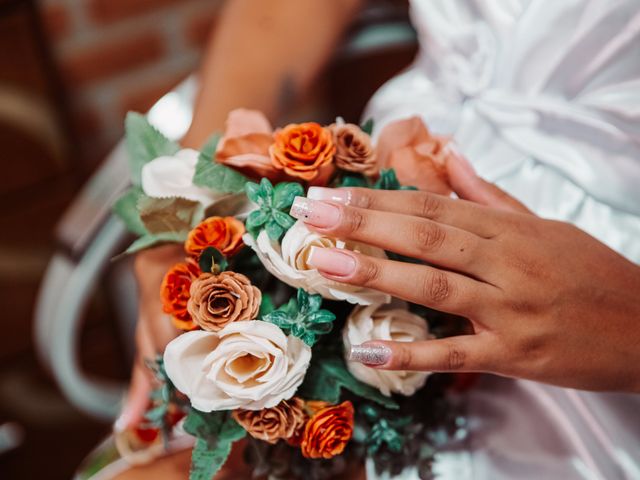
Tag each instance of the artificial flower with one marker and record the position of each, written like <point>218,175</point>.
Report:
<point>385,322</point>
<point>284,421</point>
<point>245,144</point>
<point>328,431</point>
<point>289,263</point>
<point>222,233</point>
<point>249,365</point>
<point>302,150</point>
<point>174,293</point>
<point>217,300</point>
<point>172,176</point>
<point>354,151</point>
<point>418,157</point>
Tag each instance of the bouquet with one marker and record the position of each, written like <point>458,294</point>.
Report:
<point>261,356</point>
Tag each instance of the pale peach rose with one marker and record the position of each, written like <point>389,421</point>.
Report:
<point>245,144</point>
<point>418,157</point>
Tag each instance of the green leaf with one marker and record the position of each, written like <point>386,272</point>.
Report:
<point>208,459</point>
<point>266,306</point>
<point>367,126</point>
<point>144,143</point>
<point>256,219</point>
<point>279,318</point>
<point>208,151</point>
<point>327,376</point>
<point>284,193</point>
<point>156,414</point>
<point>274,230</point>
<point>322,316</point>
<point>252,190</point>
<point>151,240</point>
<point>389,181</point>
<point>169,214</point>
<point>126,208</point>
<point>353,181</point>
<point>266,188</point>
<point>216,176</point>
<point>212,260</point>
<point>285,220</point>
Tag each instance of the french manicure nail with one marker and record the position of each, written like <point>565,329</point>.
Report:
<point>330,195</point>
<point>331,261</point>
<point>370,354</point>
<point>318,214</point>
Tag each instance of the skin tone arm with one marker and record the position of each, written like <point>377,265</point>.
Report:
<point>262,55</point>
<point>547,301</point>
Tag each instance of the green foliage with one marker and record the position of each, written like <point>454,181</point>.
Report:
<point>266,305</point>
<point>212,260</point>
<point>273,207</point>
<point>215,433</point>
<point>126,208</point>
<point>367,126</point>
<point>328,375</point>
<point>387,431</point>
<point>216,176</point>
<point>353,180</point>
<point>302,317</point>
<point>173,214</point>
<point>153,239</point>
<point>389,181</point>
<point>144,143</point>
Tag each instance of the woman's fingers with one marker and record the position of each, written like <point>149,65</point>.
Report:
<point>419,238</point>
<point>467,353</point>
<point>434,288</point>
<point>465,215</point>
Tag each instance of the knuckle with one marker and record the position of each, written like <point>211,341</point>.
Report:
<point>368,273</point>
<point>404,358</point>
<point>353,220</point>
<point>436,287</point>
<point>456,358</point>
<point>430,206</point>
<point>428,236</point>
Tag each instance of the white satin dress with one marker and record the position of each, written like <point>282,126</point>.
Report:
<point>543,97</point>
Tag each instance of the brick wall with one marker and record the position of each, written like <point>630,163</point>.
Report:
<point>120,55</point>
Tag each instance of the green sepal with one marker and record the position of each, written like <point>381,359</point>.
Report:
<point>367,126</point>
<point>273,206</point>
<point>212,260</point>
<point>327,376</point>
<point>144,143</point>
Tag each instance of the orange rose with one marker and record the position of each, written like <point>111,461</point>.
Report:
<point>174,293</point>
<point>418,156</point>
<point>328,431</point>
<point>223,233</point>
<point>302,150</point>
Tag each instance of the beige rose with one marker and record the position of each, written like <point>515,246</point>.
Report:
<point>284,421</point>
<point>418,157</point>
<point>217,300</point>
<point>354,151</point>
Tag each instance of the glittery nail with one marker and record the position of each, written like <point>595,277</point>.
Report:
<point>370,354</point>
<point>312,212</point>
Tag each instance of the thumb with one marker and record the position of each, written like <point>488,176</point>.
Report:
<point>466,353</point>
<point>469,186</point>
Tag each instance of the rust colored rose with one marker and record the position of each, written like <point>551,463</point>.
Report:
<point>418,156</point>
<point>217,300</point>
<point>328,431</point>
<point>354,151</point>
<point>302,150</point>
<point>223,233</point>
<point>174,293</point>
<point>284,421</point>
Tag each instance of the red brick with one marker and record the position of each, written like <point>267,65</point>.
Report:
<point>142,99</point>
<point>56,20</point>
<point>108,11</point>
<point>198,29</point>
<point>103,60</point>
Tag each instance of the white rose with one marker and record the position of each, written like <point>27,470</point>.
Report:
<point>172,176</point>
<point>289,263</point>
<point>248,364</point>
<point>385,322</point>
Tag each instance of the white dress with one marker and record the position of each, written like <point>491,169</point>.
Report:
<point>543,97</point>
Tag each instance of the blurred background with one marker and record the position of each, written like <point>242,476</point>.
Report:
<point>69,72</point>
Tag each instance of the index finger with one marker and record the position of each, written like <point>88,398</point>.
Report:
<point>469,216</point>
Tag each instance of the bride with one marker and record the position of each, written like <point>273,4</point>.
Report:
<point>543,101</point>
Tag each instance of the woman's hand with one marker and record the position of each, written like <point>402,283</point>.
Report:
<point>153,332</point>
<point>547,301</point>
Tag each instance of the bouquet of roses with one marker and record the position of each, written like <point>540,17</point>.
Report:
<point>261,353</point>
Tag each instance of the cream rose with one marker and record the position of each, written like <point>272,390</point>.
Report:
<point>289,263</point>
<point>250,365</point>
<point>385,322</point>
<point>172,176</point>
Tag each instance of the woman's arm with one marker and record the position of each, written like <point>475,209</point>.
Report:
<point>547,301</point>
<point>263,55</point>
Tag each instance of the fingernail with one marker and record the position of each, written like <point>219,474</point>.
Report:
<point>461,160</point>
<point>318,214</point>
<point>370,354</point>
<point>331,261</point>
<point>330,195</point>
